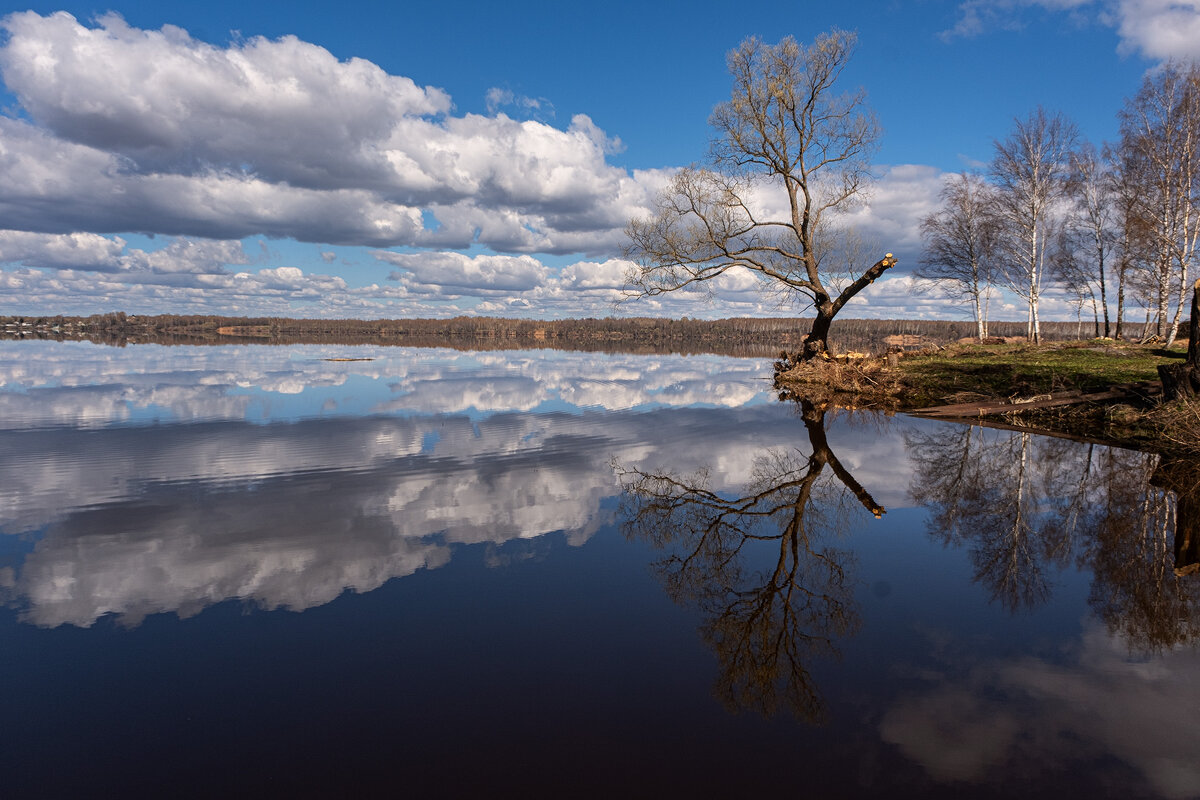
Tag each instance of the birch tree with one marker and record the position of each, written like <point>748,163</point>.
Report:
<point>1160,134</point>
<point>960,244</point>
<point>1129,227</point>
<point>784,131</point>
<point>1030,170</point>
<point>1092,228</point>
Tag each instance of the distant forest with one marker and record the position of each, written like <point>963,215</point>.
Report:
<point>739,336</point>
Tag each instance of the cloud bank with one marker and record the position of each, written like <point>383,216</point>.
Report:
<point>121,131</point>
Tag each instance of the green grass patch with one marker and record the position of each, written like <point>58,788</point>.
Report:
<point>1002,371</point>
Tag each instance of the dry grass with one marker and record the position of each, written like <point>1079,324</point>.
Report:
<point>855,383</point>
<point>1179,424</point>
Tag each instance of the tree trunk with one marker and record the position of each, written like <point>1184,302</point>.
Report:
<point>1183,380</point>
<point>816,342</point>
<point>1104,300</point>
<point>1179,477</point>
<point>1122,270</point>
<point>1179,307</point>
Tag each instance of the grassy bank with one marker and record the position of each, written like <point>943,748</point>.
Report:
<point>1016,372</point>
<point>1023,370</point>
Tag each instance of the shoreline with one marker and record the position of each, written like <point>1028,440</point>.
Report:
<point>1096,391</point>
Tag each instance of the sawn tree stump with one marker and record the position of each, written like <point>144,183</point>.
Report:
<point>1183,380</point>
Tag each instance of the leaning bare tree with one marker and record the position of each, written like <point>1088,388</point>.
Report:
<point>960,244</point>
<point>1030,170</point>
<point>783,134</point>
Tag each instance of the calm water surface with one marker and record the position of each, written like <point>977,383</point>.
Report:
<point>259,571</point>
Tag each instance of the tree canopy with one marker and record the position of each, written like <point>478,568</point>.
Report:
<point>789,153</point>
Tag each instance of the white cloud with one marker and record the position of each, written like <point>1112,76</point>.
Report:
<point>1158,29</point>
<point>174,104</point>
<point>607,275</point>
<point>976,17</point>
<point>537,107</point>
<point>51,185</point>
<point>160,132</point>
<point>456,273</point>
<point>89,251</point>
<point>891,210</point>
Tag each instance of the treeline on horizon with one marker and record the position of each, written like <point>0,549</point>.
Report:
<point>744,336</point>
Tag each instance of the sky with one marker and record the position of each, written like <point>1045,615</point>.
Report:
<point>393,159</point>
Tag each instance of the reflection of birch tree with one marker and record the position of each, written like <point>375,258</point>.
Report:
<point>1068,483</point>
<point>1026,506</point>
<point>984,494</point>
<point>764,622</point>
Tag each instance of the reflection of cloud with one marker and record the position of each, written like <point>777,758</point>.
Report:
<point>951,733</point>
<point>133,514</point>
<point>51,383</point>
<point>453,394</point>
<point>1099,700</point>
<point>140,520</point>
<point>169,551</point>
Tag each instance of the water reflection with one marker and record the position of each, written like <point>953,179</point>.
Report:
<point>1042,594</point>
<point>983,493</point>
<point>1113,703</point>
<point>78,385</point>
<point>137,520</point>
<point>1028,508</point>
<point>767,614</point>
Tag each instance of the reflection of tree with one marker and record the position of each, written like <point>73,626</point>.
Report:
<point>1140,545</point>
<point>764,623</point>
<point>984,494</point>
<point>1026,506</point>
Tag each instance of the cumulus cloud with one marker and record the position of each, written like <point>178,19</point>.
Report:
<point>278,137</point>
<point>52,185</point>
<point>281,290</point>
<point>455,273</point>
<point>1160,29</point>
<point>591,275</point>
<point>891,210</point>
<point>88,251</point>
<point>171,103</point>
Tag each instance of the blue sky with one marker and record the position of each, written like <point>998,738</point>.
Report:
<point>378,159</point>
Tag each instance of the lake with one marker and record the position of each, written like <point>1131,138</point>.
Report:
<point>273,571</point>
